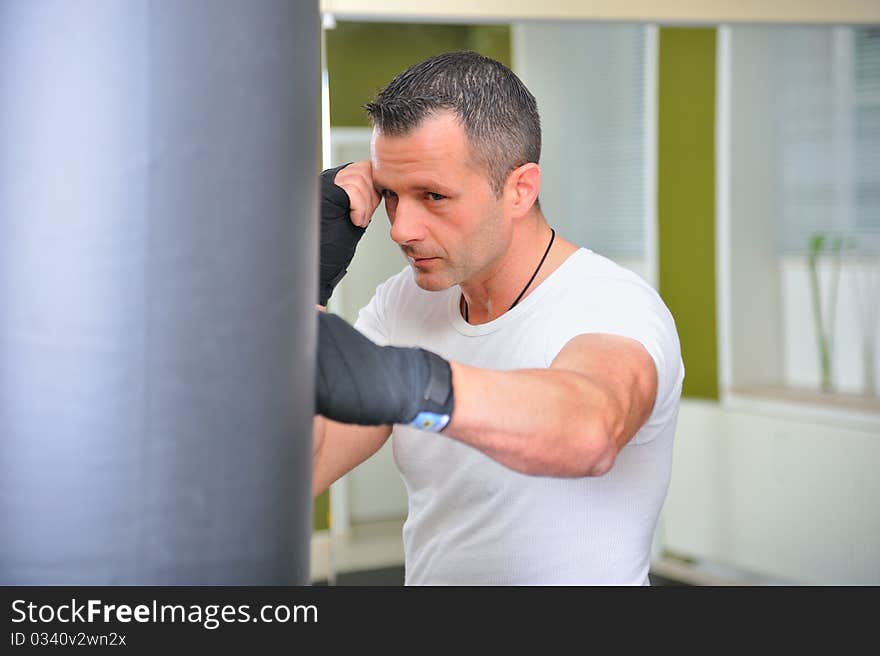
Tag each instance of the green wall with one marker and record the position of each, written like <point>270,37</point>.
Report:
<point>364,57</point>
<point>321,512</point>
<point>686,198</point>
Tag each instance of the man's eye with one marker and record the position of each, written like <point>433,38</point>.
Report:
<point>387,193</point>
<point>434,196</point>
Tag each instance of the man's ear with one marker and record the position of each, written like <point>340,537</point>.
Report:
<point>521,188</point>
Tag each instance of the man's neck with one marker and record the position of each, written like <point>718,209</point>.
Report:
<point>491,294</point>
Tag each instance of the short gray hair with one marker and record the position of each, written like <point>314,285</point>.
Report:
<point>498,113</point>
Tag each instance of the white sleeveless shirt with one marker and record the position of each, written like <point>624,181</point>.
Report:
<point>472,521</point>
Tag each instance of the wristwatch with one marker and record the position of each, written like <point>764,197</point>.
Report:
<point>430,421</point>
<point>437,404</point>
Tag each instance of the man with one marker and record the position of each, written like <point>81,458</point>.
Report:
<point>532,386</point>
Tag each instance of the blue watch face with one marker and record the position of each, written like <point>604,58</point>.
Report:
<point>430,421</point>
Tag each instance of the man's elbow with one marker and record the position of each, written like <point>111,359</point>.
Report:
<point>594,453</point>
<point>603,464</point>
<point>599,434</point>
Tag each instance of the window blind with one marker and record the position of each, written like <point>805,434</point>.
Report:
<point>827,115</point>
<point>589,81</point>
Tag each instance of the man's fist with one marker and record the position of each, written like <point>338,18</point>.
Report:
<point>360,382</point>
<point>348,201</point>
<point>357,181</point>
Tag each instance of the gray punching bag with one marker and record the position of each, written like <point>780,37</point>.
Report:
<point>158,268</point>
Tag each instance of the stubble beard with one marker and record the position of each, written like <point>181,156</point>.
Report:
<point>472,262</point>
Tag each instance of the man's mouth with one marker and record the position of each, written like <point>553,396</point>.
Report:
<point>419,257</point>
<point>421,261</point>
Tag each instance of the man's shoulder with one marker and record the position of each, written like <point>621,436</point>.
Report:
<point>596,289</point>
<point>593,270</point>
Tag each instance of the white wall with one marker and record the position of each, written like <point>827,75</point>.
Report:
<point>795,499</point>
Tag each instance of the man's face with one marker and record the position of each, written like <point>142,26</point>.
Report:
<point>443,211</point>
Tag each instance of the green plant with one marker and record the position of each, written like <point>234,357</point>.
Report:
<point>823,317</point>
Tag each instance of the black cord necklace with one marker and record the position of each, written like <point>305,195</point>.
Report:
<point>528,284</point>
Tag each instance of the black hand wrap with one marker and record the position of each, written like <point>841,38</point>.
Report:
<point>339,236</point>
<point>360,382</point>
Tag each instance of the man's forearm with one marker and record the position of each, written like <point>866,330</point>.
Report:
<point>339,448</point>
<point>542,422</point>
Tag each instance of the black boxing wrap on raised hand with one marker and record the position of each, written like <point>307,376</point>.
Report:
<point>339,236</point>
<point>360,382</point>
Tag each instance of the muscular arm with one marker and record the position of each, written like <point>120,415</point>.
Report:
<point>569,420</point>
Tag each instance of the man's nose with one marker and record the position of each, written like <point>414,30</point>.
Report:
<point>407,225</point>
